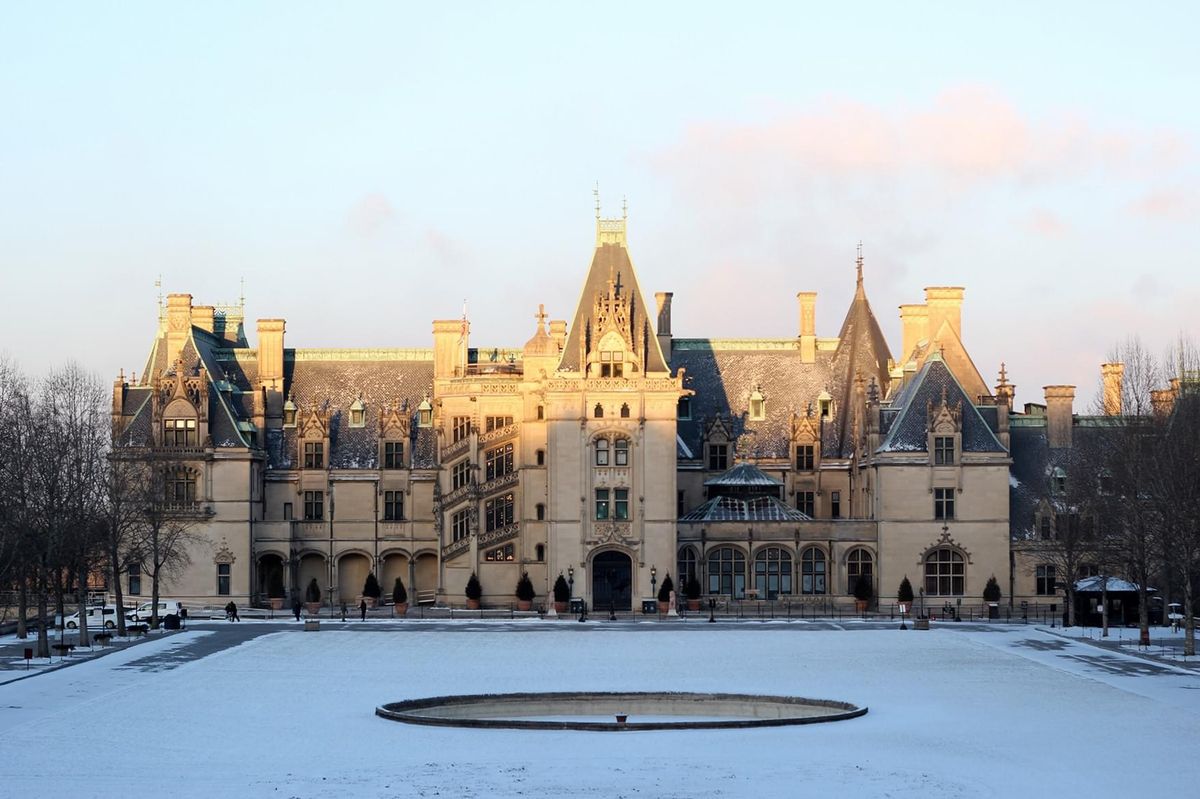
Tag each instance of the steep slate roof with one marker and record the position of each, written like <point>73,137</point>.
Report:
<point>754,509</point>
<point>723,375</point>
<point>611,262</point>
<point>1027,480</point>
<point>335,385</point>
<point>906,428</point>
<point>862,351</point>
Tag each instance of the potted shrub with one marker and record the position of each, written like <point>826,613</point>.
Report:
<point>371,590</point>
<point>562,595</point>
<point>525,592</point>
<point>863,593</point>
<point>691,589</point>
<point>991,595</point>
<point>664,594</point>
<point>904,595</point>
<point>312,597</point>
<point>275,592</point>
<point>474,592</point>
<point>399,597</point>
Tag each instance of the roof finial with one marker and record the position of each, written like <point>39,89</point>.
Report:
<point>540,316</point>
<point>242,296</point>
<point>624,207</point>
<point>859,262</point>
<point>1003,374</point>
<point>596,196</point>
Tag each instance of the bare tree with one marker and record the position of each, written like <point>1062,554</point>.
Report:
<point>17,505</point>
<point>119,519</point>
<point>1175,479</point>
<point>1124,456</point>
<point>166,529</point>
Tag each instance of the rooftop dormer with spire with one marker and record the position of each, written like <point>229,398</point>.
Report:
<point>611,334</point>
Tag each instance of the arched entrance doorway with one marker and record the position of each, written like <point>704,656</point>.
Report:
<point>271,583</point>
<point>612,581</point>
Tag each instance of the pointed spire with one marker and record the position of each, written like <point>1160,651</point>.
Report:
<point>859,262</point>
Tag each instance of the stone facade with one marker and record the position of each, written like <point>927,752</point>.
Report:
<point>604,449</point>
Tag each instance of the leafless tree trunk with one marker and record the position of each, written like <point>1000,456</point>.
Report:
<point>167,530</point>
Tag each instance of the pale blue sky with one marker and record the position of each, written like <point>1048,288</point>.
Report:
<point>367,166</point>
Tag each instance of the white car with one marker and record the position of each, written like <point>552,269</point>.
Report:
<point>97,617</point>
<point>166,607</point>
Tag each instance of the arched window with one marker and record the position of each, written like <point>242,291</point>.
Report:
<point>601,451</point>
<point>727,572</point>
<point>858,562</point>
<point>624,410</point>
<point>772,572</point>
<point>622,451</point>
<point>541,512</point>
<point>540,552</point>
<point>541,412</point>
<point>686,566</point>
<point>945,572</point>
<point>598,411</point>
<point>812,571</point>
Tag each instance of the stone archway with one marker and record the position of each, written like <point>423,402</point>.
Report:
<point>425,578</point>
<point>612,581</point>
<point>312,566</point>
<point>353,568</point>
<point>394,565</point>
<point>272,577</point>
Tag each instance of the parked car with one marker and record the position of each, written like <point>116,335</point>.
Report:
<point>165,607</point>
<point>97,617</point>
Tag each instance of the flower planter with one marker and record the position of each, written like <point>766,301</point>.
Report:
<point>524,604</point>
<point>313,608</point>
<point>560,607</point>
<point>472,604</point>
<point>371,601</point>
<point>693,604</point>
<point>276,602</point>
<point>400,608</point>
<point>860,605</point>
<point>920,624</point>
<point>663,607</point>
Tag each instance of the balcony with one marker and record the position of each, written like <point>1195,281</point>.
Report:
<point>500,534</point>
<point>315,528</point>
<point>456,548</point>
<point>185,509</point>
<point>457,448</point>
<point>500,483</point>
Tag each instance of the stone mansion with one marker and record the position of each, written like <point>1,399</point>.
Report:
<point>603,449</point>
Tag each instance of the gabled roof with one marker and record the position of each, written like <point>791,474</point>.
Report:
<point>908,425</point>
<point>753,509</point>
<point>611,262</point>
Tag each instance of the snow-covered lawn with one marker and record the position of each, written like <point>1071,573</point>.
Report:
<point>1015,712</point>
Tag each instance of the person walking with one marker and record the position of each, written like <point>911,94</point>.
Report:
<point>296,609</point>
<point>229,608</point>
<point>362,610</point>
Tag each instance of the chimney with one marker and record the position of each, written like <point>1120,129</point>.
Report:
<point>558,332</point>
<point>202,317</point>
<point>450,342</point>
<point>120,386</point>
<point>1162,401</point>
<point>808,326</point>
<point>914,321</point>
<point>1111,374</point>
<point>1059,415</point>
<point>945,305</point>
<point>664,321</point>
<point>270,353</point>
<point>179,324</point>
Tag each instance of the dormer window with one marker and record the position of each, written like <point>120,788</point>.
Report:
<point>943,450</point>
<point>684,409</point>
<point>358,414</point>
<point>612,363</point>
<point>825,405</point>
<point>425,414</point>
<point>1058,481</point>
<point>758,406</point>
<point>289,413</point>
<point>179,433</point>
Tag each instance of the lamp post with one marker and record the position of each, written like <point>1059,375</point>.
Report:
<point>654,582</point>
<point>571,581</point>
